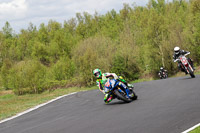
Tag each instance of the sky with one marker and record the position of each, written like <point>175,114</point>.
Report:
<point>20,13</point>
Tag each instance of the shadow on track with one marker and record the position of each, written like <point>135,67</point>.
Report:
<point>119,102</point>
<point>187,78</point>
<point>116,103</point>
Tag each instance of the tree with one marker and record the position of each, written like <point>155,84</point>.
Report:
<point>7,30</point>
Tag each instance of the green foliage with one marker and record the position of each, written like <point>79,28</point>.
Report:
<point>135,42</point>
<point>7,30</point>
<point>40,52</point>
<point>90,54</point>
<point>28,77</point>
<point>5,74</point>
<point>63,69</point>
<point>118,65</point>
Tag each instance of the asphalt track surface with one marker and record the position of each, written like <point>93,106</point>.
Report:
<point>164,106</point>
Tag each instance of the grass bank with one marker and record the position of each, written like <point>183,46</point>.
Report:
<point>196,130</point>
<point>11,104</point>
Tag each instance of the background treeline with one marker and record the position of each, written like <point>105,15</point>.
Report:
<point>133,43</point>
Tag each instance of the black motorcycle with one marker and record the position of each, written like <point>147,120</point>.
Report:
<point>163,74</point>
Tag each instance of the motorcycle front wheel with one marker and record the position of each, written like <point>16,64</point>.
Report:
<point>134,95</point>
<point>191,72</point>
<point>122,96</point>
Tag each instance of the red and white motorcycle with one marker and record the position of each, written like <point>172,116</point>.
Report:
<point>185,64</point>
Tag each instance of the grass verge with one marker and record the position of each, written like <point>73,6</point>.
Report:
<point>196,130</point>
<point>11,104</point>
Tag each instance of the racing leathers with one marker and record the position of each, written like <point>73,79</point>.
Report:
<point>101,84</point>
<point>161,72</point>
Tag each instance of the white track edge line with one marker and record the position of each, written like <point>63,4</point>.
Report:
<point>36,107</point>
<point>190,129</point>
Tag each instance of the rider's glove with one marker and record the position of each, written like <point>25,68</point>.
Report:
<point>130,85</point>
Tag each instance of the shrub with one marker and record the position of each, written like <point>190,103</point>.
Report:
<point>28,77</point>
<point>5,74</point>
<point>62,70</point>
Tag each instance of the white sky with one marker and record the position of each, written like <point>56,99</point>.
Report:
<point>19,13</point>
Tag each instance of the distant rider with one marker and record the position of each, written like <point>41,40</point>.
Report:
<point>161,71</point>
<point>177,53</point>
<point>102,78</point>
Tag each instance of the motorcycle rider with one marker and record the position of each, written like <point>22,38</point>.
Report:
<point>177,53</point>
<point>102,78</point>
<point>161,71</point>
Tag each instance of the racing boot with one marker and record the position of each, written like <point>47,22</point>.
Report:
<point>108,98</point>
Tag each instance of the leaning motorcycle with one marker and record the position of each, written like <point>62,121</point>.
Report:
<point>185,64</point>
<point>163,75</point>
<point>126,95</point>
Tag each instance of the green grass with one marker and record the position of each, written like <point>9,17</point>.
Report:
<point>197,72</point>
<point>196,130</point>
<point>11,104</point>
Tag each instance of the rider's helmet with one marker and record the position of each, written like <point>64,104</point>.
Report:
<point>97,73</point>
<point>161,68</point>
<point>176,50</point>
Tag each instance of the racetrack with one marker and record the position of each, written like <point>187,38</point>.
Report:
<point>164,106</point>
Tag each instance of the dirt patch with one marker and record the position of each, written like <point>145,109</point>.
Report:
<point>4,92</point>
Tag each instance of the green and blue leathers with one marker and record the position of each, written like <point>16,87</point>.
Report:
<point>103,82</point>
<point>102,79</point>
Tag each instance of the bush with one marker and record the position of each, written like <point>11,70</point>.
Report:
<point>94,52</point>
<point>62,70</point>
<point>5,74</point>
<point>119,65</point>
<point>28,77</point>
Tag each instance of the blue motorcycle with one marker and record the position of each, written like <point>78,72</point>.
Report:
<point>120,91</point>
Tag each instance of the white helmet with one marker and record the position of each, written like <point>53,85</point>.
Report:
<point>177,50</point>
